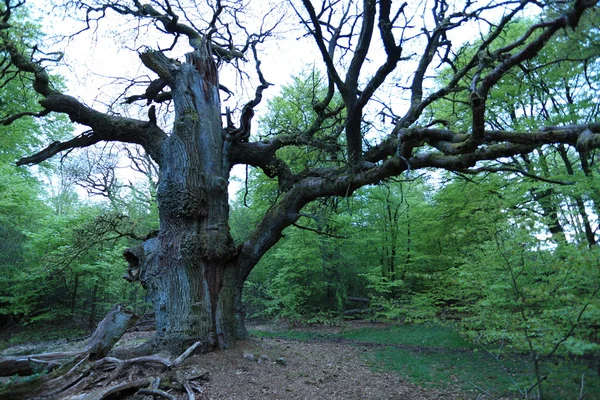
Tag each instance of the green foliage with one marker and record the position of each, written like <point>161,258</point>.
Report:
<point>71,271</point>
<point>513,261</point>
<point>534,297</point>
<point>69,264</point>
<point>292,113</point>
<point>379,285</point>
<point>503,256</point>
<point>543,92</point>
<point>60,257</point>
<point>297,282</point>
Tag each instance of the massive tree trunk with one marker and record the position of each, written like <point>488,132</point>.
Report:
<point>189,269</point>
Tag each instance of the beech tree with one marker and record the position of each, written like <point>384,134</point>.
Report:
<point>379,58</point>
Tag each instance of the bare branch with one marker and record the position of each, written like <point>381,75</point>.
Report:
<point>104,126</point>
<point>319,39</point>
<point>476,171</point>
<point>362,48</point>
<point>318,232</point>
<point>393,51</point>
<point>9,120</point>
<point>242,133</point>
<point>83,140</point>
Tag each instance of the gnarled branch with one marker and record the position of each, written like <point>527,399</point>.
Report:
<point>103,126</point>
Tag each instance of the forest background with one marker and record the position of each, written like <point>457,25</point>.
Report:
<point>508,256</point>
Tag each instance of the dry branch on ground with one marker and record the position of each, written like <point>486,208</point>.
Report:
<point>90,374</point>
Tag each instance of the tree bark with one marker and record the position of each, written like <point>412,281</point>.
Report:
<point>109,331</point>
<point>188,268</point>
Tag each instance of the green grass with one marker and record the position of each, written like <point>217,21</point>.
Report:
<point>438,356</point>
<point>292,335</point>
<point>37,333</point>
<point>430,336</point>
<point>439,369</point>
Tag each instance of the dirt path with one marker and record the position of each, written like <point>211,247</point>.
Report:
<point>302,370</point>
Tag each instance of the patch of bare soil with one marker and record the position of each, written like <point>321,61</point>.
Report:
<point>284,369</point>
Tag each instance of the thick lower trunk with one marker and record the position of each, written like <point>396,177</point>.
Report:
<point>189,307</point>
<point>240,330</point>
<point>194,299</point>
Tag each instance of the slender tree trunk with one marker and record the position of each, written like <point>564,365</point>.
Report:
<point>594,190</point>
<point>589,232</point>
<point>74,297</point>
<point>93,305</point>
<point>587,226</point>
<point>548,202</point>
<point>408,240</point>
<point>393,252</point>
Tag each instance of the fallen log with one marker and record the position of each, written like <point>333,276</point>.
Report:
<point>358,311</point>
<point>57,368</point>
<point>28,365</point>
<point>91,375</point>
<point>358,299</point>
<point>109,331</point>
<point>106,335</point>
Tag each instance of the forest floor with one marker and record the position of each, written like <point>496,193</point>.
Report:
<point>278,368</point>
<point>291,369</point>
<point>356,360</point>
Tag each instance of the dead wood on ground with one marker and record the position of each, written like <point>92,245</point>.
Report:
<point>91,375</point>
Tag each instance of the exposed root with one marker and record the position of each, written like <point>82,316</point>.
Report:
<point>157,392</point>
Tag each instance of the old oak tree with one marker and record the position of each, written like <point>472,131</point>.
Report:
<point>193,270</point>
